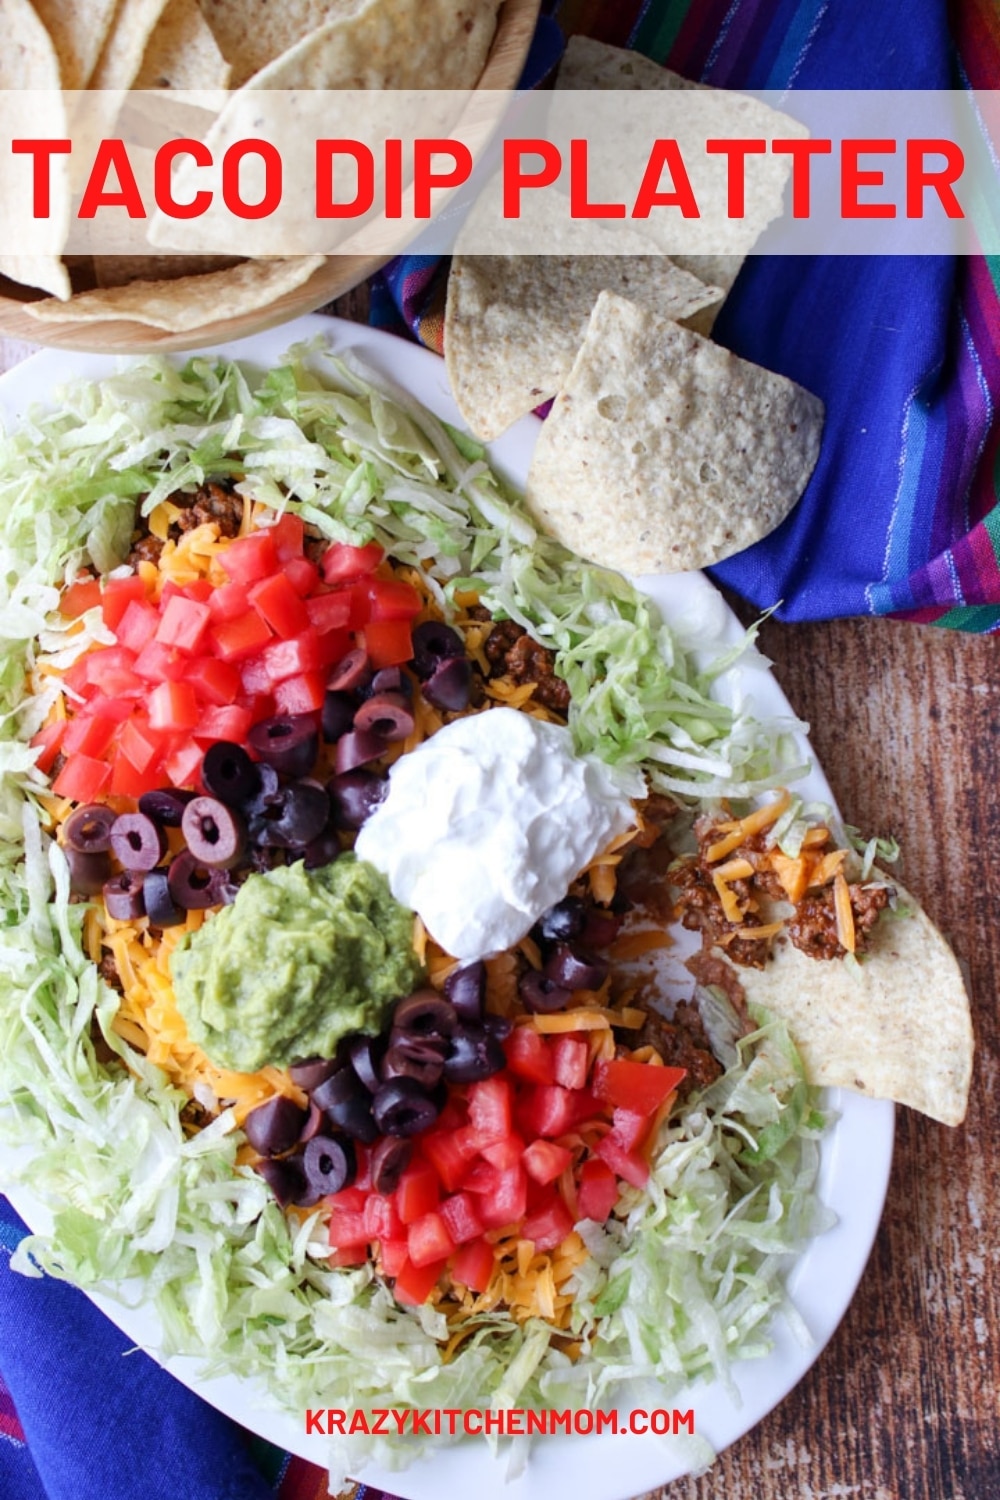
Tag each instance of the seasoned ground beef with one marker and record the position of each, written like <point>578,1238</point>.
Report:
<point>681,1043</point>
<point>214,501</point>
<point>700,910</point>
<point>709,969</point>
<point>510,650</point>
<point>814,925</point>
<point>145,549</point>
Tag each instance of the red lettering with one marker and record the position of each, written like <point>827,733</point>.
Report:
<point>314,1422</point>
<point>852,178</point>
<point>425,180</point>
<point>97,194</point>
<point>162,191</point>
<point>421,1420</point>
<point>231,193</point>
<point>579,205</point>
<point>736,153</point>
<point>802,153</point>
<point>942,180</point>
<point>381,1415</point>
<point>43,152</point>
<point>359,1423</point>
<point>665,153</point>
<point>393,179</point>
<point>684,1419</point>
<point>515,178</point>
<point>364,197</point>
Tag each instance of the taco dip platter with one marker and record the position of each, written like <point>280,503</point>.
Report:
<point>494,1168</point>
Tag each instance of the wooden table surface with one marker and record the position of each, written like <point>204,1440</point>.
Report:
<point>904,1404</point>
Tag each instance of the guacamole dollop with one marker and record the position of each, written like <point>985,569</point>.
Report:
<point>301,958</point>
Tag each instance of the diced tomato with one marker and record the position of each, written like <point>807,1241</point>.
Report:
<point>381,1216</point>
<point>128,780</point>
<point>628,1128</point>
<point>118,595</point>
<point>570,1060</point>
<point>88,734</point>
<point>246,635</point>
<point>82,594</point>
<point>626,1164</point>
<point>198,589</point>
<point>473,1265</point>
<point>417,1192</point>
<point>450,1153</point>
<point>290,658</point>
<point>363,1173</point>
<point>254,675</point>
<point>508,1201</point>
<point>214,681</point>
<point>597,1190</point>
<point>250,558</point>
<point>333,647</point>
<point>342,563</point>
<point>75,677</point>
<point>137,625</point>
<point>389,643</point>
<point>393,599</point>
<point>82,778</point>
<point>329,611</point>
<point>347,1228</point>
<point>223,722</point>
<point>547,1110</point>
<point>634,1085</point>
<point>480,1178</point>
<point>139,744</point>
<point>277,602</point>
<point>393,1256</point>
<point>350,1255</point>
<point>182,765</point>
<point>414,1284</point>
<point>173,707</point>
<point>548,1226</point>
<point>528,1055</point>
<point>184,624</point>
<point>159,663</point>
<point>301,574</point>
<point>47,742</point>
<point>288,533</point>
<point>229,601</point>
<point>504,1153</point>
<point>428,1240</point>
<point>461,1217</point>
<point>300,695</point>
<point>351,1199</point>
<point>489,1109</point>
<point>112,671</point>
<point>118,709</point>
<point>545,1161</point>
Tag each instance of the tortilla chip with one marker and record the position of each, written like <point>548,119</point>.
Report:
<point>589,64</point>
<point>252,33</point>
<point>28,61</point>
<point>121,56</point>
<point>122,270</point>
<point>182,53</point>
<point>713,270</point>
<point>514,323</point>
<point>665,452</point>
<point>191,302</point>
<point>78,29</point>
<point>896,1027</point>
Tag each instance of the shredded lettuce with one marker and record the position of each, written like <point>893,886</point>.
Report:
<point>687,1276</point>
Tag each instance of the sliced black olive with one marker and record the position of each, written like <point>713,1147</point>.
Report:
<point>329,1164</point>
<point>338,714</point>
<point>541,994</point>
<point>224,887</point>
<point>123,896</point>
<point>466,989</point>
<point>315,1120</point>
<point>288,742</point>
<point>576,970</point>
<point>352,672</point>
<point>391,680</point>
<point>433,643</point>
<point>389,1161</point>
<point>562,921</point>
<point>450,685</point>
<point>275,1126</point>
<point>190,882</point>
<point>387,715</point>
<point>313,1071</point>
<point>600,928</point>
<point>357,748</point>
<point>425,1013</point>
<point>401,1107</point>
<point>473,1053</point>
<point>498,1026</point>
<point>161,908</point>
<point>322,850</point>
<point>355,796</point>
<point>166,805</point>
<point>228,773</point>
<point>88,830</point>
<point>87,872</point>
<point>294,819</point>
<point>347,1104</point>
<point>365,1053</point>
<point>137,842</point>
<point>419,1058</point>
<point>286,1179</point>
<point>215,834</point>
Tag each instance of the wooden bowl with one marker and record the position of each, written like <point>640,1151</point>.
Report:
<point>516,22</point>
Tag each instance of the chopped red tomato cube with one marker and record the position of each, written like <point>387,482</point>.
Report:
<point>288,534</point>
<point>627,1164</point>
<point>450,1153</point>
<point>528,1055</point>
<point>504,1153</point>
<point>289,658</point>
<point>547,1110</point>
<point>548,1226</point>
<point>137,625</point>
<point>118,595</point>
<point>393,599</point>
<point>184,624</point>
<point>88,734</point>
<point>277,602</point>
<point>461,1217</point>
<point>342,563</point>
<point>473,1265</point>
<point>182,765</point>
<point>329,611</point>
<point>508,1201</point>
<point>570,1060</point>
<point>47,742</point>
<point>214,681</point>
<point>381,1216</point>
<point>393,1256</point>
<point>82,594</point>
<point>82,778</point>
<point>223,722</point>
<point>250,558</point>
<point>544,1161</point>
<point>301,695</point>
<point>246,635</point>
<point>128,780</point>
<point>228,601</point>
<point>597,1190</point>
<point>139,744</point>
<point>112,671</point>
<point>414,1284</point>
<point>489,1109</point>
<point>628,1128</point>
<point>634,1085</point>
<point>301,574</point>
<point>347,1229</point>
<point>173,707</point>
<point>389,643</point>
<point>417,1192</point>
<point>428,1240</point>
<point>159,663</point>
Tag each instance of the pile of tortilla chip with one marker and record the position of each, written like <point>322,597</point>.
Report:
<point>663,452</point>
<point>221,50</point>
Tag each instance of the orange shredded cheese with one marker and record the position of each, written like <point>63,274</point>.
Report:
<point>738,831</point>
<point>736,869</point>
<point>845,915</point>
<point>634,944</point>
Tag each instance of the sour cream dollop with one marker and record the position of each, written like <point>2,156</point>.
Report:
<point>487,823</point>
